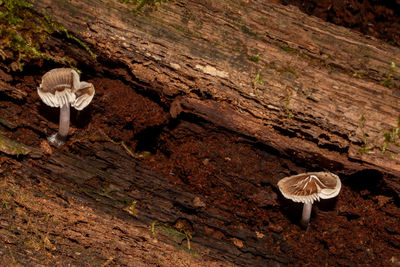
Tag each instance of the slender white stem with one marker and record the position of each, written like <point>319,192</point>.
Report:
<point>60,137</point>
<point>64,121</point>
<point>305,218</point>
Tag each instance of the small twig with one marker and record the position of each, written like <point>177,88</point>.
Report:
<point>188,237</point>
<point>105,137</point>
<point>153,226</point>
<point>122,143</point>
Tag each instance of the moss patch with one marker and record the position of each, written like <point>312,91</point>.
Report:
<point>23,32</point>
<point>254,58</point>
<point>388,81</point>
<point>385,137</point>
<point>12,147</point>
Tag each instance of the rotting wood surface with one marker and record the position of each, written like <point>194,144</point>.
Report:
<point>312,88</point>
<point>112,178</point>
<point>82,208</point>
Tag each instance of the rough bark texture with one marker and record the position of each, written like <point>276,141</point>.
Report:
<point>223,126</point>
<point>305,97</point>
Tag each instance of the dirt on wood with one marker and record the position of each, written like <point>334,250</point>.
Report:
<point>162,190</point>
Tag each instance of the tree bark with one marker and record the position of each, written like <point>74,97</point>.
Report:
<point>112,180</point>
<point>309,89</point>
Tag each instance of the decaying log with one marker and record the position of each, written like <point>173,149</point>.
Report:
<point>112,180</point>
<point>297,92</point>
<point>309,89</point>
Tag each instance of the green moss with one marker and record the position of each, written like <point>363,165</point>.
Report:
<point>23,32</point>
<point>331,67</point>
<point>53,26</point>
<point>4,205</point>
<point>389,136</point>
<point>388,81</point>
<point>257,80</point>
<point>173,233</point>
<point>288,49</point>
<point>12,147</point>
<point>168,231</point>
<point>254,58</point>
<point>365,147</point>
<point>294,51</point>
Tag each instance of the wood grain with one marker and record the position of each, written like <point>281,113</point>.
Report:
<point>316,80</point>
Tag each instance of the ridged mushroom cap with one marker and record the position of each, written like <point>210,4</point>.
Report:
<point>310,186</point>
<point>62,86</point>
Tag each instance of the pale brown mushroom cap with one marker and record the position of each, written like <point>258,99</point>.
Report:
<point>310,186</point>
<point>83,96</point>
<point>62,86</point>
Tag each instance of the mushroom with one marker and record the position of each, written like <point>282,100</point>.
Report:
<point>308,187</point>
<point>61,88</point>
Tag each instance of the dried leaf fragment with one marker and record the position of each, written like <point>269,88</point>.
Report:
<point>237,242</point>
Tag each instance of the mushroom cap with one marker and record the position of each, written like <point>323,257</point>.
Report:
<point>83,96</point>
<point>62,87</point>
<point>310,186</point>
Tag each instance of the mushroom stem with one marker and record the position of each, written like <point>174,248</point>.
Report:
<point>64,121</point>
<point>60,137</point>
<point>305,218</point>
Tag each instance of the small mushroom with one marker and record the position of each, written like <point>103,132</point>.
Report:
<point>62,88</point>
<point>308,187</point>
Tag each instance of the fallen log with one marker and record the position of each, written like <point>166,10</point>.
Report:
<point>291,92</point>
<point>311,90</point>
